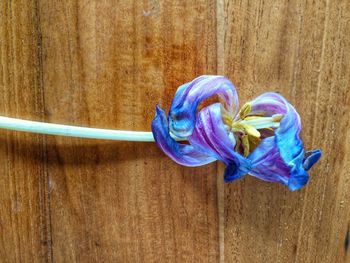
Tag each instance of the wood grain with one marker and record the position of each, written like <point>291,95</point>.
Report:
<point>24,206</point>
<point>107,64</point>
<point>302,50</point>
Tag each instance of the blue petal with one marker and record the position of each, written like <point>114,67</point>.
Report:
<point>291,148</point>
<point>310,158</point>
<point>267,163</point>
<point>287,135</point>
<point>183,154</point>
<point>182,114</point>
<point>298,175</point>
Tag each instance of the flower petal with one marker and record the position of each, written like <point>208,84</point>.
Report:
<point>290,147</point>
<point>209,136</point>
<point>182,114</point>
<point>286,146</point>
<point>267,163</point>
<point>298,176</point>
<point>310,158</point>
<point>183,154</point>
<point>268,104</point>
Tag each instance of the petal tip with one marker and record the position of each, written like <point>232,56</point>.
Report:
<point>158,110</point>
<point>311,157</point>
<point>297,183</point>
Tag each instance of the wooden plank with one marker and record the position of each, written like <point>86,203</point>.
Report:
<point>107,64</point>
<point>24,206</point>
<point>301,49</point>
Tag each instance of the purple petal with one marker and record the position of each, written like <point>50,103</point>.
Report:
<point>268,104</point>
<point>183,154</point>
<point>267,163</point>
<point>210,137</point>
<point>287,135</point>
<point>285,149</point>
<point>182,114</point>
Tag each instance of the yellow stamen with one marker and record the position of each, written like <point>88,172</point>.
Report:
<point>249,118</point>
<point>245,143</point>
<point>254,140</point>
<point>237,127</point>
<point>250,130</point>
<point>245,132</point>
<point>244,111</point>
<point>250,136</point>
<point>226,118</point>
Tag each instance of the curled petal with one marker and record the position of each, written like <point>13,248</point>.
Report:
<point>268,104</point>
<point>182,114</point>
<point>210,137</point>
<point>183,154</point>
<point>286,141</point>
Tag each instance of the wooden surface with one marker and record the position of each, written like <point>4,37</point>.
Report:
<point>107,64</point>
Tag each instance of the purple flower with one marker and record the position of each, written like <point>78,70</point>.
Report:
<point>261,139</point>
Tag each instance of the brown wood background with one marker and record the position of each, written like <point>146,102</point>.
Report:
<point>107,64</point>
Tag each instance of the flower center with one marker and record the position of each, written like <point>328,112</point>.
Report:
<point>247,130</point>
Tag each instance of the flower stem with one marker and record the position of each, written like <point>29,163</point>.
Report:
<point>74,131</point>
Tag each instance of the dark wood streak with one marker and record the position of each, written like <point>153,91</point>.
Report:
<point>346,240</point>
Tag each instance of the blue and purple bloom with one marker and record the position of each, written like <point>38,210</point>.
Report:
<point>260,139</point>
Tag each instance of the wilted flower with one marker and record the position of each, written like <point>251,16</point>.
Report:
<point>261,139</point>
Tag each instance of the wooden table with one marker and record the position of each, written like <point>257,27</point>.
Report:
<point>107,64</point>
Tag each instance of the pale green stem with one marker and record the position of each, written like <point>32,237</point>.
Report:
<point>74,131</point>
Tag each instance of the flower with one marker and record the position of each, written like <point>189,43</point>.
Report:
<point>261,139</point>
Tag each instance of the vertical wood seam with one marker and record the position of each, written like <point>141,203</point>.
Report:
<point>220,69</point>
<point>46,235</point>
